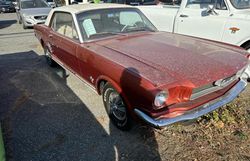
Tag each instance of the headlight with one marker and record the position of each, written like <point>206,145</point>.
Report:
<point>26,16</point>
<point>160,99</point>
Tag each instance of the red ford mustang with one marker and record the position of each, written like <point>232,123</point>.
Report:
<point>161,77</point>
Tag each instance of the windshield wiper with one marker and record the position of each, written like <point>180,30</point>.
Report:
<point>107,33</point>
<point>134,29</point>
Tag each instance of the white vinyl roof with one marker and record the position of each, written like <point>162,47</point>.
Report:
<point>77,8</point>
<point>86,7</point>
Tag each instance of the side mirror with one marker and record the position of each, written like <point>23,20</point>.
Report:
<point>210,10</point>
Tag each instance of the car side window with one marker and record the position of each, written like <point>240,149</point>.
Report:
<point>203,4</point>
<point>63,24</point>
<point>220,5</point>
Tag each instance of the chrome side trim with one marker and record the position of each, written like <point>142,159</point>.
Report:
<point>198,111</point>
<point>68,69</point>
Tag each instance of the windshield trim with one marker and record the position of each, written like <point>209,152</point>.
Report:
<point>114,35</point>
<point>83,34</point>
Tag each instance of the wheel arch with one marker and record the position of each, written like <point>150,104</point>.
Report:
<point>104,79</point>
<point>245,44</point>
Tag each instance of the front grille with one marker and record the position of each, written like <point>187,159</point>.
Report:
<point>207,89</point>
<point>40,17</point>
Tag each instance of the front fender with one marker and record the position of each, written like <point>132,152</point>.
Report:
<point>244,41</point>
<point>115,85</point>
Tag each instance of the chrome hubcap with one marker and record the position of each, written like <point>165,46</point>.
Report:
<point>117,107</point>
<point>47,54</point>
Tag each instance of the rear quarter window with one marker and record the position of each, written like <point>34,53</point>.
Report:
<point>63,24</point>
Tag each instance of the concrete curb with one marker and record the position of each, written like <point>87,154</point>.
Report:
<point>2,151</point>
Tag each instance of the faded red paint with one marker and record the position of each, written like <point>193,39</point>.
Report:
<point>141,64</point>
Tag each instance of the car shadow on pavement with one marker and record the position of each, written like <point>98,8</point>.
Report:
<point>43,119</point>
<point>6,23</point>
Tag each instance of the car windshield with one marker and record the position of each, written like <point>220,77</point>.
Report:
<point>33,4</point>
<point>106,22</point>
<point>241,4</point>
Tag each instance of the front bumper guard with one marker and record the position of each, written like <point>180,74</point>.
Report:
<point>198,111</point>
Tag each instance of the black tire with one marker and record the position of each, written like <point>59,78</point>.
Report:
<point>116,108</point>
<point>48,57</point>
<point>246,46</point>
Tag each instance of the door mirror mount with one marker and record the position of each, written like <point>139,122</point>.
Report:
<point>211,10</point>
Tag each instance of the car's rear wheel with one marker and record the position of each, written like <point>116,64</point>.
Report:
<point>48,57</point>
<point>116,108</point>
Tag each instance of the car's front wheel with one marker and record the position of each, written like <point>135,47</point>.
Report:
<point>116,108</point>
<point>48,57</point>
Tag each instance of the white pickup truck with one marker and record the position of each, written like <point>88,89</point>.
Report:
<point>220,20</point>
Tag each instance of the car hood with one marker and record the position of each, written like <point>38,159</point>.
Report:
<point>165,58</point>
<point>36,11</point>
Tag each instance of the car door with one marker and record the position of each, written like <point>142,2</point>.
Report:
<point>64,40</point>
<point>198,19</point>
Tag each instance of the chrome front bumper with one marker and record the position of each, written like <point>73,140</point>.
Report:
<point>198,111</point>
<point>246,73</point>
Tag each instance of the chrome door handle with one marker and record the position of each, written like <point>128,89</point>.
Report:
<point>183,16</point>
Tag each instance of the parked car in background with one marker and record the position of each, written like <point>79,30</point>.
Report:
<point>221,20</point>
<point>31,12</point>
<point>6,6</point>
<point>142,2</point>
<point>161,77</point>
